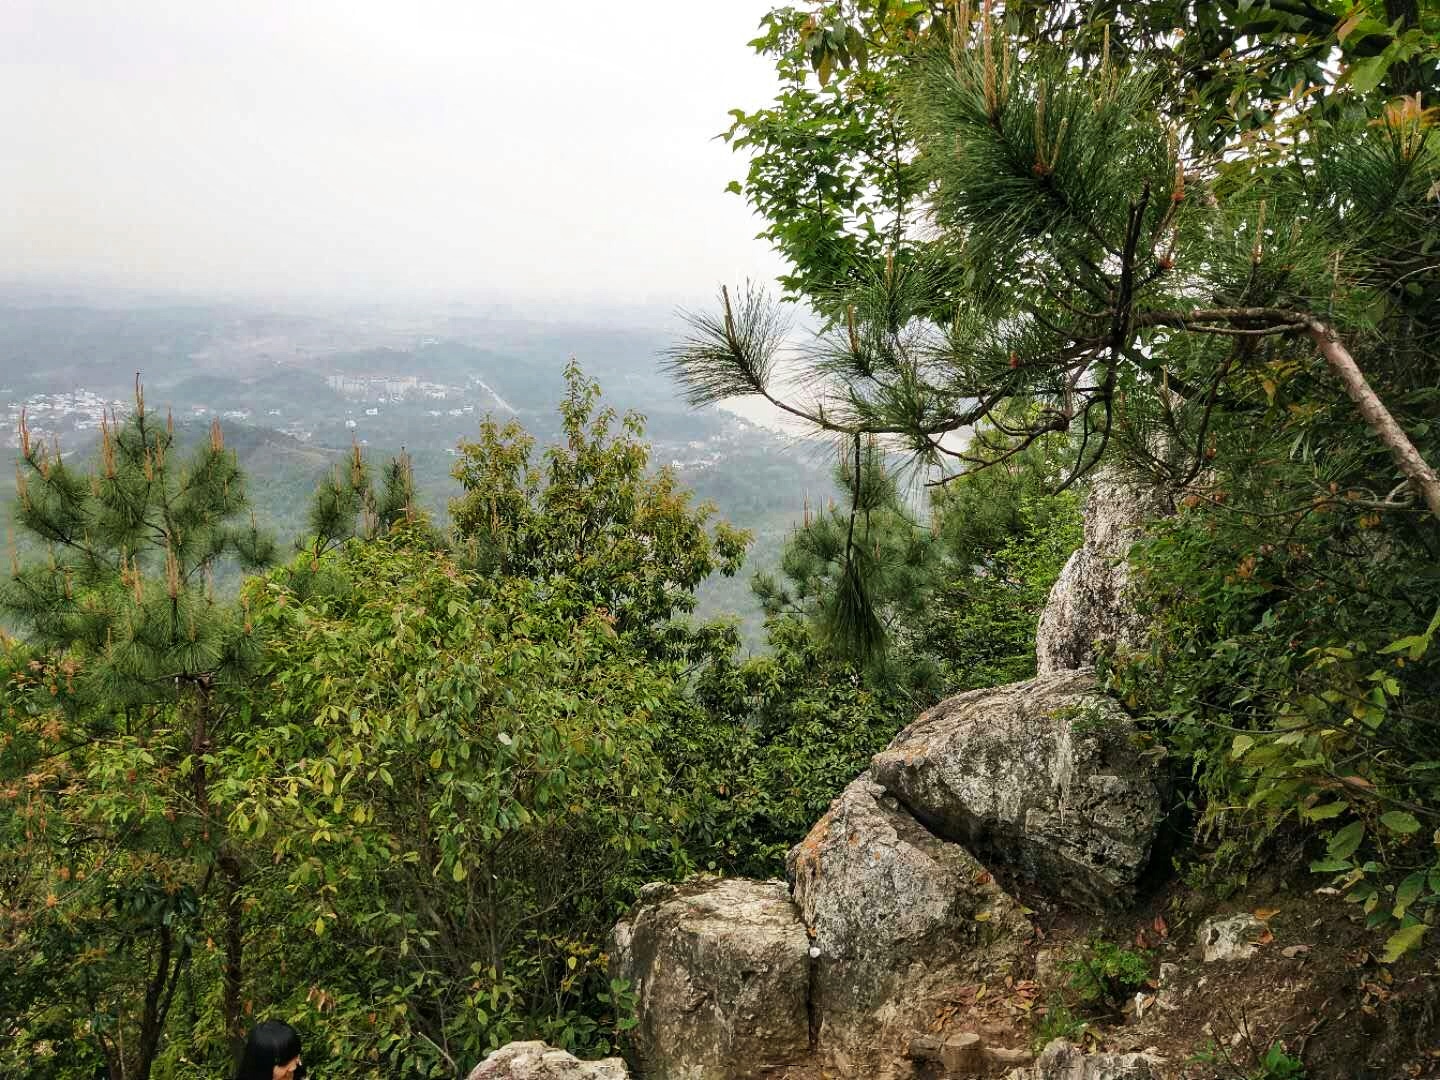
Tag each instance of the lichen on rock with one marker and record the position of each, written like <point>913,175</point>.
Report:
<point>1092,598</point>
<point>1039,779</point>
<point>720,970</point>
<point>540,1061</point>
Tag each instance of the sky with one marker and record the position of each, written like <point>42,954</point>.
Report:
<point>434,150</point>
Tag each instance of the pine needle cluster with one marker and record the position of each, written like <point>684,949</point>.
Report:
<point>126,587</point>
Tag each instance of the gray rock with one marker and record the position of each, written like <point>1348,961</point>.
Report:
<point>538,1061</point>
<point>1229,937</point>
<point>1062,1060</point>
<point>721,971</point>
<point>1050,970</point>
<point>1091,601</point>
<point>901,919</point>
<point>1169,997</point>
<point>1039,778</point>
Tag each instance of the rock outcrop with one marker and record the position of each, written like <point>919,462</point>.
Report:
<point>721,972</point>
<point>894,909</point>
<point>538,1061</point>
<point>1039,779</point>
<point>1090,601</point>
<point>1062,1060</point>
<point>900,919</point>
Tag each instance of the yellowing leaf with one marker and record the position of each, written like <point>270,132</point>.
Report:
<point>1402,941</point>
<point>1344,29</point>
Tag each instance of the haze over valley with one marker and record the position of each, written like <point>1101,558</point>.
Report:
<point>294,389</point>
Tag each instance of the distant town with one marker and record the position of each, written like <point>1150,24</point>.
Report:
<point>75,412</point>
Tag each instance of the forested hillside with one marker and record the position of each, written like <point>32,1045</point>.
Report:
<point>293,392</point>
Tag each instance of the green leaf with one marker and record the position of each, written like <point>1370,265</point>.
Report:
<point>458,872</point>
<point>1239,745</point>
<point>1365,75</point>
<point>1409,891</point>
<point>1326,811</point>
<point>1345,842</point>
<point>1402,941</point>
<point>1398,821</point>
<point>435,759</point>
<point>1415,644</point>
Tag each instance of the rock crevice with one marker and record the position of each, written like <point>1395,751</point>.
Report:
<point>1040,778</point>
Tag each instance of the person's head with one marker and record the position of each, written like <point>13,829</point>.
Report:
<point>272,1052</point>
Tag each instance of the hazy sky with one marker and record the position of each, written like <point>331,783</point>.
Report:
<point>437,148</point>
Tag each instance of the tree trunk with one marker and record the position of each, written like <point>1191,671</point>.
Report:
<point>231,875</point>
<point>1414,467</point>
<point>1405,76</point>
<point>234,954</point>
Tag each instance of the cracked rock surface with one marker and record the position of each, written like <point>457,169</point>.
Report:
<point>901,919</point>
<point>721,971</point>
<point>1038,778</point>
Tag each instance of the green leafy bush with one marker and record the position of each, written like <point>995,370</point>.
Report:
<point>769,743</point>
<point>1296,683</point>
<point>1058,1021</point>
<point>1103,973</point>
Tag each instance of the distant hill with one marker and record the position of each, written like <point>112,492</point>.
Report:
<point>293,392</point>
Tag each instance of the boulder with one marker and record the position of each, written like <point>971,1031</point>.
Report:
<point>538,1061</point>
<point>720,970</point>
<point>1091,601</point>
<point>1230,937</point>
<point>1062,1060</point>
<point>1040,779</point>
<point>901,920</point>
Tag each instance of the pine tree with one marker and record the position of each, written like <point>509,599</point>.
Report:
<point>1243,312</point>
<point>1127,292</point>
<point>123,610</point>
<point>346,504</point>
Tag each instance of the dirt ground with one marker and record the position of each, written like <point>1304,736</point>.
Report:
<point>1313,984</point>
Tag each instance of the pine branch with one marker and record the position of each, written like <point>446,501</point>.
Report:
<point>1342,365</point>
<point>730,354</point>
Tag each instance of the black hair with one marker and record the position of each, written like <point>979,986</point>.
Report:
<point>271,1043</point>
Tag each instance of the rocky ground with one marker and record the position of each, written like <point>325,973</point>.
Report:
<point>993,897</point>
